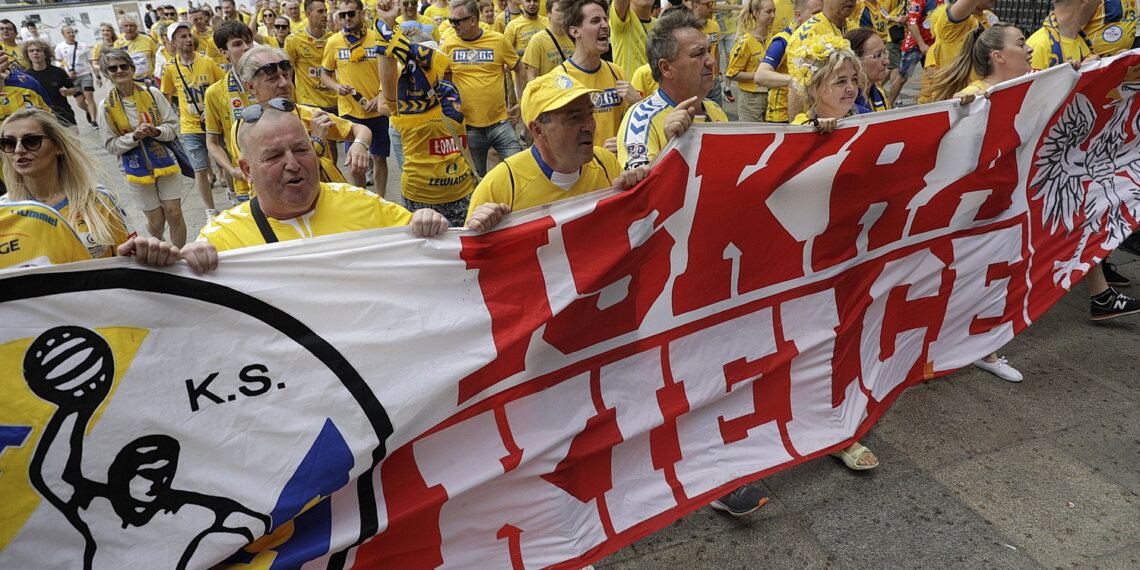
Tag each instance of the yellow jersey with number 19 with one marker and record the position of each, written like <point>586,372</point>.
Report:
<point>477,71</point>
<point>307,54</point>
<point>354,63</point>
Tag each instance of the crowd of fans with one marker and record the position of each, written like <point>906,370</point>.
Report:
<point>487,106</point>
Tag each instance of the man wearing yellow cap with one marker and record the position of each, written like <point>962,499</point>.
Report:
<point>562,163</point>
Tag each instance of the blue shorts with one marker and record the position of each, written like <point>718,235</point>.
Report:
<point>381,146</point>
<point>909,60</point>
<point>195,144</point>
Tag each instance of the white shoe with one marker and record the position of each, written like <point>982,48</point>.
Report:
<point>1001,369</point>
<point>211,214</point>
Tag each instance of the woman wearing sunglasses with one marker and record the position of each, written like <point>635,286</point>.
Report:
<point>44,162</point>
<point>280,32</point>
<point>134,120</point>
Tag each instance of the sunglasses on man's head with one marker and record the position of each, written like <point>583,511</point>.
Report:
<point>271,68</point>
<point>254,112</point>
<point>347,14</point>
<point>31,143</point>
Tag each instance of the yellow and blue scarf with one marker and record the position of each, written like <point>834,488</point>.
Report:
<point>151,159</point>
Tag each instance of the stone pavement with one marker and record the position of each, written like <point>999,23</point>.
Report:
<point>976,472</point>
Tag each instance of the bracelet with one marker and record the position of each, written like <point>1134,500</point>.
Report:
<point>361,141</point>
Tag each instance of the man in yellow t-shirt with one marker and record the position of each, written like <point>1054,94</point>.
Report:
<point>684,80</point>
<point>205,35</point>
<point>703,9</point>
<point>477,58</point>
<point>9,45</point>
<point>1112,28</point>
<point>505,17</point>
<point>549,48</point>
<point>521,30</point>
<point>35,235</point>
<point>141,48</point>
<point>561,164</point>
<point>186,77</point>
<point>613,93</point>
<point>224,101</point>
<point>306,49</point>
<point>292,11</point>
<point>1061,38</point>
<point>630,22</point>
<point>950,23</point>
<point>350,70</point>
<point>279,162</point>
<point>410,18</point>
<point>231,13</point>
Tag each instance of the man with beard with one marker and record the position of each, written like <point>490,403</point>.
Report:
<point>520,30</point>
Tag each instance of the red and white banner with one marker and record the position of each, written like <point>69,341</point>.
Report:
<point>549,392</point>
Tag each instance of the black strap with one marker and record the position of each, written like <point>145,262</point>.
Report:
<point>74,53</point>
<point>186,88</point>
<point>262,222</point>
<point>556,46</point>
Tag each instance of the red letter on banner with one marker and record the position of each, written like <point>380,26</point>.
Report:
<point>600,254</point>
<point>896,156</point>
<point>732,226</point>
<point>514,292</point>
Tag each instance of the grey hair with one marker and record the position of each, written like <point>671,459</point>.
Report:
<point>114,55</point>
<point>128,18</point>
<point>247,65</point>
<point>472,6</point>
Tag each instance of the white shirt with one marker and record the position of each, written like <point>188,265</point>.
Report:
<point>80,53</point>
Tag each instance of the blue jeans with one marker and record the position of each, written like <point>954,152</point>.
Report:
<point>397,145</point>
<point>500,135</point>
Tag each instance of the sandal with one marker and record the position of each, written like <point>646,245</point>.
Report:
<point>851,460</point>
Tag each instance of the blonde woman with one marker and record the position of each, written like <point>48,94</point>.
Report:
<point>828,76</point>
<point>134,120</point>
<point>107,39</point>
<point>44,161</point>
<point>995,54</point>
<point>756,17</point>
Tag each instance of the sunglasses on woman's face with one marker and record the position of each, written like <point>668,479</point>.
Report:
<point>117,68</point>
<point>281,26</point>
<point>31,143</point>
<point>253,113</point>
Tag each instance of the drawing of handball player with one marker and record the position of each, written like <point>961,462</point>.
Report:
<point>137,508</point>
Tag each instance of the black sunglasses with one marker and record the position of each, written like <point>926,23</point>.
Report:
<point>253,113</point>
<point>271,68</point>
<point>117,68</point>
<point>31,143</point>
<point>456,21</point>
<point>347,14</point>
<point>281,26</point>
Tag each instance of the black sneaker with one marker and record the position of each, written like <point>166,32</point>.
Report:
<point>1131,244</point>
<point>728,95</point>
<point>1113,305</point>
<point>742,501</point>
<point>1113,278</point>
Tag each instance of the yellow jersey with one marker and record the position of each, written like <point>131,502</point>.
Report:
<point>712,32</point>
<point>33,234</point>
<point>295,27</point>
<point>354,63</point>
<point>643,81</point>
<point>20,91</point>
<point>142,50</point>
<point>207,46</point>
<point>785,17</point>
<point>976,87</point>
<point>776,56</point>
<point>547,50</point>
<point>432,11</point>
<point>1113,27</point>
<point>520,30</point>
<point>113,213</point>
<point>477,70</point>
<point>1050,49</point>
<point>307,54</point>
<point>609,107</point>
<point>868,14</point>
<point>504,19</point>
<point>340,130</point>
<point>224,102</point>
<point>628,39</point>
<point>524,180</point>
<point>746,56</point>
<point>642,133</point>
<point>17,59</point>
<point>817,25</point>
<point>340,208</point>
<point>949,35</point>
<point>189,84</point>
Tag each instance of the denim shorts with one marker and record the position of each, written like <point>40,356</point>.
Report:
<point>195,144</point>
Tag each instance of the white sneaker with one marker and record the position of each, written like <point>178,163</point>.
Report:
<point>211,214</point>
<point>1001,369</point>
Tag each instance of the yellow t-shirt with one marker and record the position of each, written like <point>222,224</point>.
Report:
<point>207,46</point>
<point>643,81</point>
<point>520,30</point>
<point>354,65</point>
<point>121,228</point>
<point>340,130</point>
<point>224,102</point>
<point>199,76</point>
<point>785,17</point>
<point>504,18</point>
<point>1050,49</point>
<point>642,133</point>
<point>298,26</point>
<point>712,32</point>
<point>307,54</point>
<point>17,59</point>
<point>34,235</point>
<point>477,71</point>
<point>817,25</point>
<point>868,14</point>
<point>801,119</point>
<point>522,181</point>
<point>609,107</point>
<point>1113,32</point>
<point>15,96</point>
<point>142,50</point>
<point>628,39</point>
<point>977,87</point>
<point>544,53</point>
<point>340,208</point>
<point>746,56</point>
<point>432,11</point>
<point>949,36</point>
<point>778,96</point>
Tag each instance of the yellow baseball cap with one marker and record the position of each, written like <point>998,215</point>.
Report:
<point>551,92</point>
